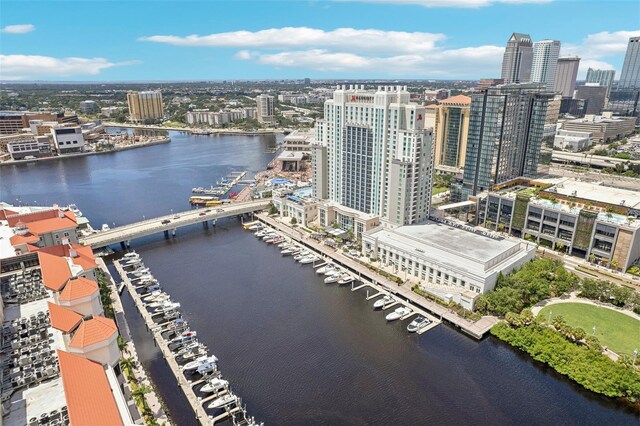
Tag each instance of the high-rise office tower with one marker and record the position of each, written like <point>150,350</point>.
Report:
<point>566,74</point>
<point>376,155</point>
<point>451,129</point>
<point>145,105</point>
<point>518,56</point>
<point>602,77</point>
<point>595,95</point>
<point>630,76</point>
<point>545,62</point>
<point>505,135</point>
<point>265,109</point>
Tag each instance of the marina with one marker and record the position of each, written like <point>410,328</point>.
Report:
<point>334,273</point>
<point>298,353</point>
<point>223,186</point>
<point>170,324</point>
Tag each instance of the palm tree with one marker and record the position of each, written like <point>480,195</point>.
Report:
<point>122,345</point>
<point>615,264</point>
<point>139,394</point>
<point>560,246</point>
<point>592,258</point>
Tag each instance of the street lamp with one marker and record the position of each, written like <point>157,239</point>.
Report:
<point>550,313</point>
<point>635,355</point>
<point>594,330</point>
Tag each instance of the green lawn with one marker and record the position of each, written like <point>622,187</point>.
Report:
<point>619,332</point>
<point>438,189</point>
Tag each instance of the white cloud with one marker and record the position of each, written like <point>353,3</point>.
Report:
<point>450,3</point>
<point>24,67</point>
<point>346,39</point>
<point>243,54</point>
<point>601,44</point>
<point>595,48</point>
<point>457,63</point>
<point>18,29</point>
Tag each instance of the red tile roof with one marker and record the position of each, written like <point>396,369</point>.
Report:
<point>63,319</point>
<point>55,271</point>
<point>94,330</point>
<point>459,99</point>
<point>84,254</point>
<point>27,238</point>
<point>4,213</point>
<point>432,106</point>
<point>77,289</point>
<point>45,221</point>
<point>89,397</point>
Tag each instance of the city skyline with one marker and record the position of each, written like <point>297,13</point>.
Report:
<point>282,40</point>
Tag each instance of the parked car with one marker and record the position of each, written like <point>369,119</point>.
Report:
<point>202,214</point>
<point>164,222</point>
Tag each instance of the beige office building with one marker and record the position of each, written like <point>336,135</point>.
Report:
<point>451,131</point>
<point>145,105</point>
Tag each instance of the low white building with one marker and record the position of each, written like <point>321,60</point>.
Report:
<point>298,140</point>
<point>296,203</point>
<point>68,139</point>
<point>23,146</point>
<point>447,261</point>
<point>572,140</point>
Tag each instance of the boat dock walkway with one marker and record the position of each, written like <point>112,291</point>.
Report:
<point>169,223</point>
<point>371,278</point>
<point>163,345</point>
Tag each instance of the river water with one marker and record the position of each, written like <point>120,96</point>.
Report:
<point>298,351</point>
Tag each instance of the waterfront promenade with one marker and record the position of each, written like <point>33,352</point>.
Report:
<point>170,223</point>
<point>476,329</point>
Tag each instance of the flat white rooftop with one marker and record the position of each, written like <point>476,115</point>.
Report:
<point>460,249</point>
<point>6,249</point>
<point>595,191</point>
<point>34,401</point>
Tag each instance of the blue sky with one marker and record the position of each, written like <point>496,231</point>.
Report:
<point>439,39</point>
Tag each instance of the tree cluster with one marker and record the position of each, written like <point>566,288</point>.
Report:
<point>579,359</point>
<point>535,281</point>
<point>605,291</point>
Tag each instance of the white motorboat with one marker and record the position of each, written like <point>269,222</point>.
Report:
<point>150,297</point>
<point>263,232</point>
<point>132,261</point>
<point>186,337</point>
<point>223,401</point>
<point>131,255</point>
<point>140,272</point>
<point>167,305</point>
<point>172,314</point>
<point>330,279</point>
<point>189,347</point>
<point>284,244</point>
<point>206,368</point>
<point>287,252</point>
<point>382,301</point>
<point>301,255</point>
<point>309,259</point>
<point>398,313</point>
<point>214,385</point>
<point>269,236</point>
<point>345,279</point>
<point>325,268</point>
<point>418,324</point>
<point>194,353</point>
<point>74,209</point>
<point>255,227</point>
<point>193,365</point>
<point>153,287</point>
<point>332,271</point>
<point>105,227</point>
<point>159,302</point>
<point>142,278</point>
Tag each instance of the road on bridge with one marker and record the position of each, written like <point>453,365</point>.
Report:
<point>171,222</point>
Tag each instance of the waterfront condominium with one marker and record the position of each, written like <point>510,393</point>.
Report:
<point>566,74</point>
<point>145,105</point>
<point>545,62</point>
<point>518,56</point>
<point>373,156</point>
<point>630,76</point>
<point>265,110</point>
<point>450,132</point>
<point>505,135</point>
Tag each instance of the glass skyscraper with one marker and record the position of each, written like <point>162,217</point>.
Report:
<point>518,56</point>
<point>630,76</point>
<point>505,135</point>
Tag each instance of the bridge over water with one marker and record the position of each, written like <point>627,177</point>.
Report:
<point>124,234</point>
